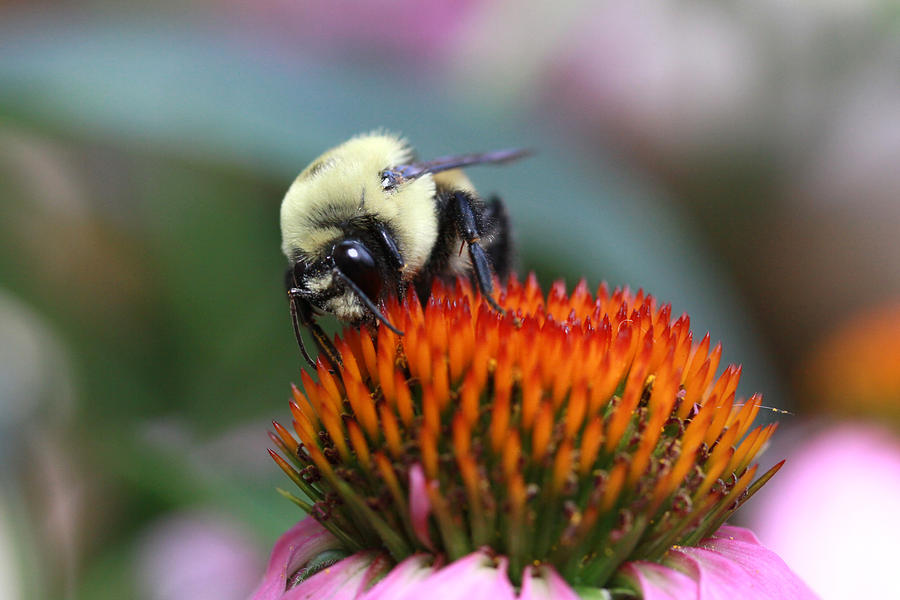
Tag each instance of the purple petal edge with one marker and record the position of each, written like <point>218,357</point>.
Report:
<point>473,577</point>
<point>298,545</point>
<point>405,575</point>
<point>419,505</point>
<point>658,582</point>
<point>346,579</point>
<point>734,556</point>
<point>544,583</point>
<point>731,565</point>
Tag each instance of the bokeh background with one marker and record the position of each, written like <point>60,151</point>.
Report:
<point>738,159</point>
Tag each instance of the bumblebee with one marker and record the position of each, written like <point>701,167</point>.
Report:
<point>365,221</point>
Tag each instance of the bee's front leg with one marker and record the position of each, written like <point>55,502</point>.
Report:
<point>303,315</point>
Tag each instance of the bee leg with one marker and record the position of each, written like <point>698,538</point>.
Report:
<point>295,321</point>
<point>467,227</point>
<point>303,316</point>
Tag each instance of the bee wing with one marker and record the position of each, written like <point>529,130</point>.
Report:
<point>394,176</point>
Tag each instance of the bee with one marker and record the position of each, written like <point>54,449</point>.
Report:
<point>364,221</point>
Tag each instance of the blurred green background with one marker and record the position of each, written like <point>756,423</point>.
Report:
<point>736,159</point>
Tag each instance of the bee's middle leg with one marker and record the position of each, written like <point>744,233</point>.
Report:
<point>467,218</point>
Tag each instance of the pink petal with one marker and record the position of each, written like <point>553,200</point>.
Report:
<point>419,505</point>
<point>473,577</point>
<point>732,565</point>
<point>407,574</point>
<point>742,534</point>
<point>545,583</point>
<point>344,580</point>
<point>658,582</point>
<point>300,544</point>
<point>831,513</point>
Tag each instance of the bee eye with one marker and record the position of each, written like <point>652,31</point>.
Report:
<point>355,261</point>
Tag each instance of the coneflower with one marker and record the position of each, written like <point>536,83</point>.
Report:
<point>578,446</point>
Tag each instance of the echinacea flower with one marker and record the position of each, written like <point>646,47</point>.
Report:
<point>576,447</point>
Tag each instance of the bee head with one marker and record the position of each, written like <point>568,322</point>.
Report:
<point>348,282</point>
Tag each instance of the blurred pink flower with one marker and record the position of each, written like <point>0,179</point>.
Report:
<point>415,30</point>
<point>196,555</point>
<point>672,80</point>
<point>840,489</point>
<point>732,563</point>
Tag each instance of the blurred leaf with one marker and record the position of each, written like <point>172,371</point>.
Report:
<point>220,93</point>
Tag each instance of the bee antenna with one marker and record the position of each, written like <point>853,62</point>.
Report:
<point>366,300</point>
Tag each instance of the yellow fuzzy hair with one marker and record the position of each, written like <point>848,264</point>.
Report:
<point>345,182</point>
